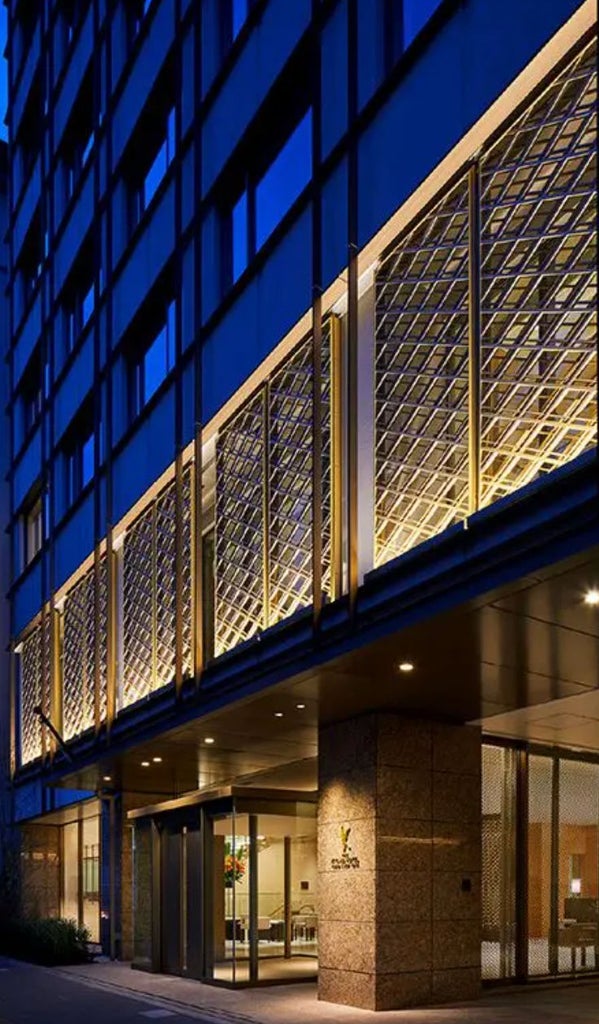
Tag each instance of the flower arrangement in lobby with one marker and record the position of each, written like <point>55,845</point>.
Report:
<point>234,865</point>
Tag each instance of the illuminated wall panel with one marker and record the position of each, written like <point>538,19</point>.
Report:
<point>421,380</point>
<point>539,285</point>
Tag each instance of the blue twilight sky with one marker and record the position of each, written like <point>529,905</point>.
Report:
<point>3,131</point>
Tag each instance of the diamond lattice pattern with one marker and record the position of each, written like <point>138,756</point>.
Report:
<point>276,423</point>
<point>78,658</point>
<point>539,286</point>
<point>421,381</point>
<point>35,690</point>
<point>239,591</point>
<point>138,624</point>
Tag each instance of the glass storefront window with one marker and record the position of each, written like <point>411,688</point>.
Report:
<point>80,901</point>
<point>578,867</point>
<point>264,920</point>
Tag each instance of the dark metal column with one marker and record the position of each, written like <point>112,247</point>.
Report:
<point>287,894</point>
<point>521,865</point>
<point>554,907</point>
<point>253,899</point>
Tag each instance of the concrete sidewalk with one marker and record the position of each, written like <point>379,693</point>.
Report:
<point>566,1003</point>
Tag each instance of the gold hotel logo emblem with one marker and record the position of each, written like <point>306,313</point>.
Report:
<point>347,859</point>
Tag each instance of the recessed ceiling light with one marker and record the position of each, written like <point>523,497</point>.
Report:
<point>107,778</point>
<point>145,764</point>
<point>209,739</point>
<point>278,714</point>
<point>300,707</point>
<point>157,760</point>
<point>405,666</point>
<point>592,597</point>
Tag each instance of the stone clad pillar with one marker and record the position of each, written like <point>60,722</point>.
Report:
<point>399,862</point>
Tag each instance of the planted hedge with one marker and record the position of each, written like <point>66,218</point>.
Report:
<point>51,941</point>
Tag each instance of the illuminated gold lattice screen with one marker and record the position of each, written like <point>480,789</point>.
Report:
<point>138,610</point>
<point>264,469</point>
<point>539,286</point>
<point>421,380</point>
<point>240,527</point>
<point>78,658</point>
<point>35,690</point>
<point>149,594</point>
<point>187,562</point>
<point>80,649</point>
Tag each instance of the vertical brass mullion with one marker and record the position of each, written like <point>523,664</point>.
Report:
<point>12,713</point>
<point>197,618</point>
<point>56,687</point>
<point>266,505</point>
<point>178,572</point>
<point>317,489</point>
<point>336,413</point>
<point>46,741</point>
<point>154,670</point>
<point>111,605</point>
<point>474,341</point>
<point>80,871</point>
<point>97,638</point>
<point>352,308</point>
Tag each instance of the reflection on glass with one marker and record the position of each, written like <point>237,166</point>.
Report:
<point>230,923</point>
<point>578,893</point>
<point>70,872</point>
<point>90,865</point>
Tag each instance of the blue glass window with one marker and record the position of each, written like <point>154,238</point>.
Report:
<point>87,306</point>
<point>239,13</point>
<point>416,13</point>
<point>87,460</point>
<point>239,229</point>
<point>284,180</point>
<point>156,362</point>
<point>160,163</point>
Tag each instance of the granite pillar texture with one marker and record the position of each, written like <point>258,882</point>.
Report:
<point>399,893</point>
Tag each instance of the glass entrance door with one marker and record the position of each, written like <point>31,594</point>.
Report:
<point>263,922</point>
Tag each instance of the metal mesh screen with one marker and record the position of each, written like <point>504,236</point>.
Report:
<point>256,516</point>
<point>239,591</point>
<point>327,457</point>
<point>498,887</point>
<point>187,562</point>
<point>31,696</point>
<point>539,286</point>
<point>78,658</point>
<point>290,490</point>
<point>539,863</point>
<point>165,608</point>
<point>138,624</point>
<point>35,690</point>
<point>102,648</point>
<point>421,380</point>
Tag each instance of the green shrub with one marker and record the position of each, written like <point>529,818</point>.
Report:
<point>51,941</point>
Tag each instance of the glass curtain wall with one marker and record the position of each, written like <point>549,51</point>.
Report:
<point>264,920</point>
<point>80,875</point>
<point>543,921</point>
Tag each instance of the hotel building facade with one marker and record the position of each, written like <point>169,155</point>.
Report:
<point>304,510</point>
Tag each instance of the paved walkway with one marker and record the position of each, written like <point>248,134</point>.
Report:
<point>574,1003</point>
